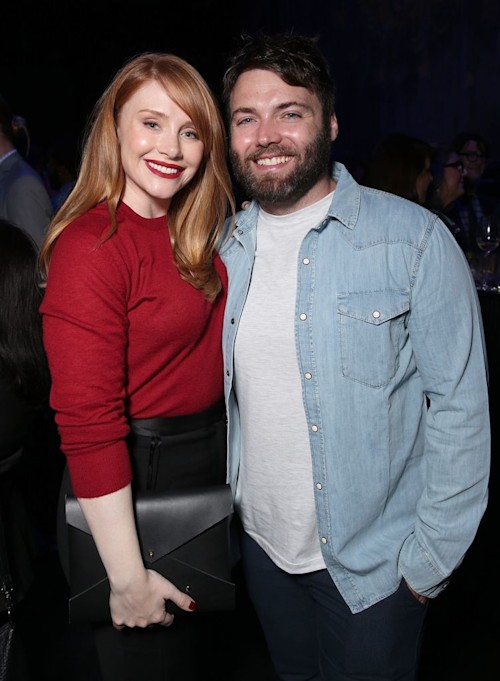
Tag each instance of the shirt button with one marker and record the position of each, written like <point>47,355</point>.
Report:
<point>319,485</point>
<point>324,540</point>
<point>376,314</point>
<point>303,317</point>
<point>232,320</point>
<point>306,261</point>
<point>308,375</point>
<point>314,429</point>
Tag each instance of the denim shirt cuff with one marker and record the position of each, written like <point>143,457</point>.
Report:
<point>418,570</point>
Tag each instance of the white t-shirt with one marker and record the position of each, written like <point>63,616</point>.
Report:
<point>275,497</point>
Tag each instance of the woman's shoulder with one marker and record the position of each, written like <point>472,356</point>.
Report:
<point>93,223</point>
<point>88,233</point>
<point>83,243</point>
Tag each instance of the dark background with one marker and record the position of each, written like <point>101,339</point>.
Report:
<point>427,67</point>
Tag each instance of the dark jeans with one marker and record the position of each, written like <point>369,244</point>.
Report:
<point>312,634</point>
<point>185,650</point>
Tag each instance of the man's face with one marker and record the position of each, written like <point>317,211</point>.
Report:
<point>280,146</point>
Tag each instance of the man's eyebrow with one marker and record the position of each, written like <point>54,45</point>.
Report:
<point>294,104</point>
<point>280,107</point>
<point>244,110</point>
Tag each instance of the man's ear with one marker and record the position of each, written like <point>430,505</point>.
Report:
<point>334,127</point>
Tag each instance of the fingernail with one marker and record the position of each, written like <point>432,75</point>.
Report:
<point>192,605</point>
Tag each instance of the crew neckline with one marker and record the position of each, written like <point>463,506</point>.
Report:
<point>150,223</point>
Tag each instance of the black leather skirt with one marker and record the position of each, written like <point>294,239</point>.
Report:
<point>167,453</point>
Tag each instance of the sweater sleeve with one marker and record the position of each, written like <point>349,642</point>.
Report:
<point>85,335</point>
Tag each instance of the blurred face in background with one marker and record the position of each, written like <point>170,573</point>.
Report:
<point>453,177</point>
<point>423,181</point>
<point>474,160</point>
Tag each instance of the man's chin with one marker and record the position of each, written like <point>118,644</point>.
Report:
<point>268,189</point>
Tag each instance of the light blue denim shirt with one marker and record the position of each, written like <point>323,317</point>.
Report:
<point>391,351</point>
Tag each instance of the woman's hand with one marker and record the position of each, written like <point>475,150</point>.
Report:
<point>143,602</point>
<point>138,596</point>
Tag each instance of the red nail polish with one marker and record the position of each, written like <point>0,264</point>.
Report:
<point>192,605</point>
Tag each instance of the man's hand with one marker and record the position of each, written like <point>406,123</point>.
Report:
<point>420,599</point>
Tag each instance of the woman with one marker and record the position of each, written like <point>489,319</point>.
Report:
<point>132,319</point>
<point>446,188</point>
<point>401,165</point>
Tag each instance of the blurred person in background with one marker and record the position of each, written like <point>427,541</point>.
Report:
<point>24,391</point>
<point>61,168</point>
<point>446,188</point>
<point>477,202</point>
<point>24,199</point>
<point>401,164</point>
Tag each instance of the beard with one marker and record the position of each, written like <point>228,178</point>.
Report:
<point>313,163</point>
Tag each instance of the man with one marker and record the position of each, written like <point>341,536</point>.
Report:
<point>24,200</point>
<point>355,382</point>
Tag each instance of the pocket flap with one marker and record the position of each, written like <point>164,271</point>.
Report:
<point>374,307</point>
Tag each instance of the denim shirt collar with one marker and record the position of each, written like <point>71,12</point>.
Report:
<point>344,207</point>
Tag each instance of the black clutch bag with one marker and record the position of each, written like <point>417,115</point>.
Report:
<point>184,535</point>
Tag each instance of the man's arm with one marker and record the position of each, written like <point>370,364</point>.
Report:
<point>447,336</point>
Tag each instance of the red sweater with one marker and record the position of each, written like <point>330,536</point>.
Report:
<point>125,337</point>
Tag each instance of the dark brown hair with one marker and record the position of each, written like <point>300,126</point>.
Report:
<point>296,59</point>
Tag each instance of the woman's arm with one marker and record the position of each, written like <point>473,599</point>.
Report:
<point>138,595</point>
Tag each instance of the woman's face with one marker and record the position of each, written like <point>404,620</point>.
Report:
<point>423,181</point>
<point>160,149</point>
<point>453,176</point>
<point>473,159</point>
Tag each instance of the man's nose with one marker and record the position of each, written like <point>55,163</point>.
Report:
<point>268,133</point>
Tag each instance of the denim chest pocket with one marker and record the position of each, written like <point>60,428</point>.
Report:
<point>372,326</point>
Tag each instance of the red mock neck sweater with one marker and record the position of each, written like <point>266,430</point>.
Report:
<point>125,337</point>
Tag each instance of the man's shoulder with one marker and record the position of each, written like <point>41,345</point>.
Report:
<point>18,168</point>
<point>393,216</point>
<point>393,204</point>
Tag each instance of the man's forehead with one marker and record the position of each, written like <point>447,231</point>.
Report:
<point>258,86</point>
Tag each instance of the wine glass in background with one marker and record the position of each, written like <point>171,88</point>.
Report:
<point>488,239</point>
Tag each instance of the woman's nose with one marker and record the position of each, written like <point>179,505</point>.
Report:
<point>170,146</point>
